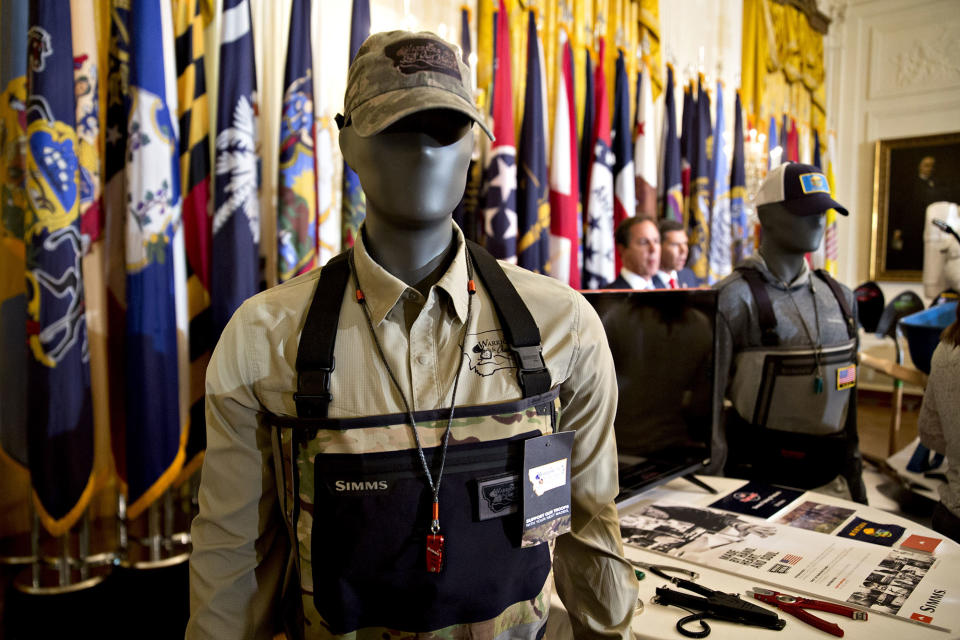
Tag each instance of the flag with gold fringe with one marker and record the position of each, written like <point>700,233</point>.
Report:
<point>671,180</point>
<point>189,23</point>
<point>698,205</point>
<point>59,411</point>
<point>14,22</point>
<point>156,317</point>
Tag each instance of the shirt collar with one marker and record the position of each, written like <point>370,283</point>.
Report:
<point>382,290</point>
<point>757,262</point>
<point>636,280</point>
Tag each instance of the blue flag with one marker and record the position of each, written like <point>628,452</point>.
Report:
<point>671,186</point>
<point>688,118</point>
<point>235,259</point>
<point>59,404</point>
<point>698,206</point>
<point>772,145</point>
<point>817,162</point>
<point>14,21</point>
<point>465,44</point>
<point>624,180</point>
<point>354,201</point>
<point>156,270</point>
<point>533,201</point>
<point>719,259</point>
<point>297,186</point>
<point>738,190</point>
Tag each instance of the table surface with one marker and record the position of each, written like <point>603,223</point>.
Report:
<point>658,621</point>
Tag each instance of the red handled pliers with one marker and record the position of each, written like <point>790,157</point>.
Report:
<point>795,606</point>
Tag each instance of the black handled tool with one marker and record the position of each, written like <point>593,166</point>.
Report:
<point>715,605</point>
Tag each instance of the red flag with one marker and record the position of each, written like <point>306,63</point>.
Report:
<point>564,178</point>
<point>645,149</point>
<point>793,142</point>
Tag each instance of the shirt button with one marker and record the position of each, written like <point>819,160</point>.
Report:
<point>422,360</point>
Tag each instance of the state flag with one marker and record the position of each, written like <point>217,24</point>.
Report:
<point>698,206</point>
<point>500,173</point>
<point>564,175</point>
<point>354,201</point>
<point>742,246</point>
<point>533,202</point>
<point>645,149</point>
<point>671,187</point>
<point>59,408</point>
<point>719,262</point>
<point>624,178</point>
<point>598,249</point>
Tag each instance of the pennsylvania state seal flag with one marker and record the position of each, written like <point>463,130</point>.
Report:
<point>60,434</point>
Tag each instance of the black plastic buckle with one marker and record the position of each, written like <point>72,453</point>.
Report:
<point>530,358</point>
<point>313,392</point>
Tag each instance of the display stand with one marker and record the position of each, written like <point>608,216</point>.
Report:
<point>160,545</point>
<point>66,571</point>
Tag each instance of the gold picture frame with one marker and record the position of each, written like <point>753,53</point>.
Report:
<point>902,189</point>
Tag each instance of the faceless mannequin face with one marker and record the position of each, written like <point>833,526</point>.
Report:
<point>787,233</point>
<point>414,172</point>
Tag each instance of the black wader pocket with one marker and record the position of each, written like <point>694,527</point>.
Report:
<point>370,521</point>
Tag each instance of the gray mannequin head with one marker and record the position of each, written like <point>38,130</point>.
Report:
<point>407,131</point>
<point>792,203</point>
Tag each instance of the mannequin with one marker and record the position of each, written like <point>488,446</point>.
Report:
<point>344,389</point>
<point>409,208</point>
<point>787,350</point>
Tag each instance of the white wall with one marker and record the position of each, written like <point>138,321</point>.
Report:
<point>893,70</point>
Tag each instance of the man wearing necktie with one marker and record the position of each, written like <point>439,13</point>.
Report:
<point>674,248</point>
<point>638,241</point>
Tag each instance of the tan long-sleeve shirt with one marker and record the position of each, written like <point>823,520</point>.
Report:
<point>239,539</point>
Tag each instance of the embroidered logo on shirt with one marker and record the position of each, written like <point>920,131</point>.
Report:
<point>489,353</point>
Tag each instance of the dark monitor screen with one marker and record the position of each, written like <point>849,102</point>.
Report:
<point>664,349</point>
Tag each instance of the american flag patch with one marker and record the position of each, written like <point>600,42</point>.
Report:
<point>791,558</point>
<point>846,377</point>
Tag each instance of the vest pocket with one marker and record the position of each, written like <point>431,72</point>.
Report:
<point>371,516</point>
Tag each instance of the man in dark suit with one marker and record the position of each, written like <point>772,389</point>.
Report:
<point>674,248</point>
<point>638,241</point>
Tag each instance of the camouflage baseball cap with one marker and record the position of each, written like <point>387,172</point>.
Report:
<point>398,73</point>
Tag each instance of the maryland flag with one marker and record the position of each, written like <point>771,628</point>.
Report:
<point>156,318</point>
<point>533,201</point>
<point>59,403</point>
<point>297,206</point>
<point>190,18</point>
<point>235,260</point>
<point>14,23</point>
<point>354,200</point>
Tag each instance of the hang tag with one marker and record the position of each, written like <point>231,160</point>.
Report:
<point>546,487</point>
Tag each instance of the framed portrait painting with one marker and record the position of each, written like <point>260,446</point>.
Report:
<point>909,175</point>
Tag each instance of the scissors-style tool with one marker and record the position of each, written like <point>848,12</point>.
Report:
<point>715,605</point>
<point>795,606</point>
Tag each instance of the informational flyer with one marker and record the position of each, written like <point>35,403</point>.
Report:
<point>816,516</point>
<point>757,499</point>
<point>896,582</point>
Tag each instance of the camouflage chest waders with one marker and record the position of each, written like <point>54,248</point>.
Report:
<point>356,501</point>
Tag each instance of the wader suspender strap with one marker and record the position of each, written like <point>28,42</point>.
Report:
<point>768,321</point>
<point>842,301</point>
<point>315,361</point>
<point>519,327</point>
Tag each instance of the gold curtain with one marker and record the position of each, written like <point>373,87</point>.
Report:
<point>782,65</point>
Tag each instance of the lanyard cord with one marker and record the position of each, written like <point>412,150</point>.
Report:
<point>434,487</point>
<point>818,345</point>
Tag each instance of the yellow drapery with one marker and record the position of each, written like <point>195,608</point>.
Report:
<point>782,66</point>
